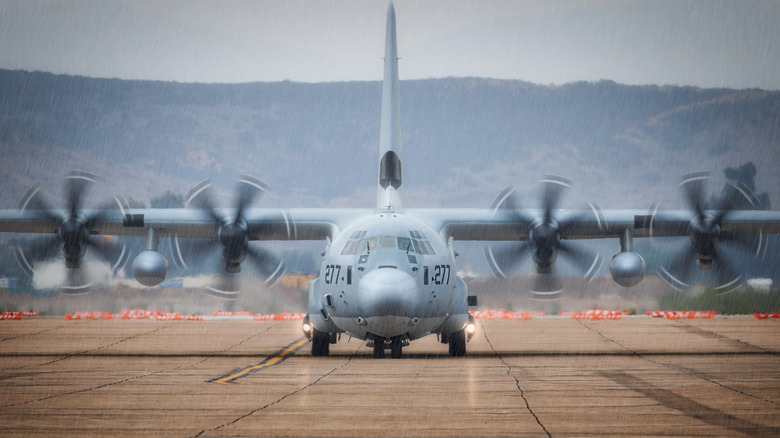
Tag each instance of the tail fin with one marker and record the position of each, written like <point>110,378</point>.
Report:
<point>390,129</point>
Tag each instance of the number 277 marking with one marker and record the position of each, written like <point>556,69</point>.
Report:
<point>332,274</point>
<point>441,274</point>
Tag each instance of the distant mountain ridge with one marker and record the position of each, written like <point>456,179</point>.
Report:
<point>316,144</point>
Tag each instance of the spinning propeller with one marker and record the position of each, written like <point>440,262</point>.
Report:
<point>232,237</point>
<point>71,234</point>
<point>706,237</point>
<point>543,243</point>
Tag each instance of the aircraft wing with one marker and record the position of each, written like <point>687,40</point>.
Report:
<point>262,223</point>
<point>499,225</point>
<point>459,223</point>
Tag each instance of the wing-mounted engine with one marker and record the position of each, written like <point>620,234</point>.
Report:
<point>71,234</point>
<point>232,238</point>
<point>545,239</point>
<point>709,246</point>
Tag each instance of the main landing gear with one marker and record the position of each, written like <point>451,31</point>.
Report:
<point>320,343</point>
<point>457,340</point>
<point>458,343</point>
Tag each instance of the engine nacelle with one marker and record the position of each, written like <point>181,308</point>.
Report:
<point>150,268</point>
<point>627,268</point>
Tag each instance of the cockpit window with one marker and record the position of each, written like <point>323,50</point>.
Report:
<point>421,244</point>
<point>387,242</point>
<point>350,247</point>
<point>405,244</point>
<point>417,244</point>
<point>426,247</point>
<point>353,245</point>
<point>358,235</point>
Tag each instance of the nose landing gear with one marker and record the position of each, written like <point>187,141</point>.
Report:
<point>394,344</point>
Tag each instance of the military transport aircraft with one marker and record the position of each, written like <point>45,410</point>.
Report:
<point>388,274</point>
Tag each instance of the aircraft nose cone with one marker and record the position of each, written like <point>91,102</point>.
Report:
<point>387,292</point>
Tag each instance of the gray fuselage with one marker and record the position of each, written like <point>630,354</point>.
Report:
<point>388,275</point>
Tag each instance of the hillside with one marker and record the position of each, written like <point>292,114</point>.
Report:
<point>316,144</point>
<point>464,139</point>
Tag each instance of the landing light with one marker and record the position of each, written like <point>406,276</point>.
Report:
<point>471,328</point>
<point>307,327</point>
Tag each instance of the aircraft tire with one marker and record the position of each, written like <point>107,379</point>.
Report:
<point>458,343</point>
<point>379,348</point>
<point>396,347</point>
<point>320,343</point>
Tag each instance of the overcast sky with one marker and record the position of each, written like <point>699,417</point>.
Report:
<point>712,43</point>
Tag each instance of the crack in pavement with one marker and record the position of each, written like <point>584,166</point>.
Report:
<point>131,378</point>
<point>85,352</point>
<point>290,394</point>
<point>509,373</point>
<point>689,407</point>
<point>243,341</point>
<point>31,334</point>
<point>712,335</point>
<point>105,385</point>
<point>682,369</point>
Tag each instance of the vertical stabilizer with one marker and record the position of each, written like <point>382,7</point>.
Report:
<point>390,130</point>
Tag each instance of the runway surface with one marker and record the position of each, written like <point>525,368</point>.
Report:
<point>544,377</point>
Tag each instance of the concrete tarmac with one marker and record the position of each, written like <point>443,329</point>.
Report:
<point>549,376</point>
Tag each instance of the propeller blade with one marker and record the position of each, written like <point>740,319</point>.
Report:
<point>270,268</point>
<point>705,234</point>
<point>547,286</point>
<point>191,249</point>
<point>33,200</point>
<point>694,188</point>
<point>585,260</point>
<point>749,243</point>
<point>681,269</point>
<point>554,186</point>
<point>507,205</point>
<point>232,240</point>
<point>101,213</point>
<point>76,282</point>
<point>726,276</point>
<point>247,190</point>
<point>109,251</point>
<point>200,198</point>
<point>226,287</point>
<point>44,248</point>
<point>737,196</point>
<point>544,238</point>
<point>72,233</point>
<point>506,259</point>
<point>77,184</point>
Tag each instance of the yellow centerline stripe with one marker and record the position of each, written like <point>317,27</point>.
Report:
<point>270,361</point>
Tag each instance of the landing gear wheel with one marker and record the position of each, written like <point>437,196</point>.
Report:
<point>458,343</point>
<point>320,343</point>
<point>395,347</point>
<point>379,347</point>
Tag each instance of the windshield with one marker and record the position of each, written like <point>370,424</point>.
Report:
<point>410,245</point>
